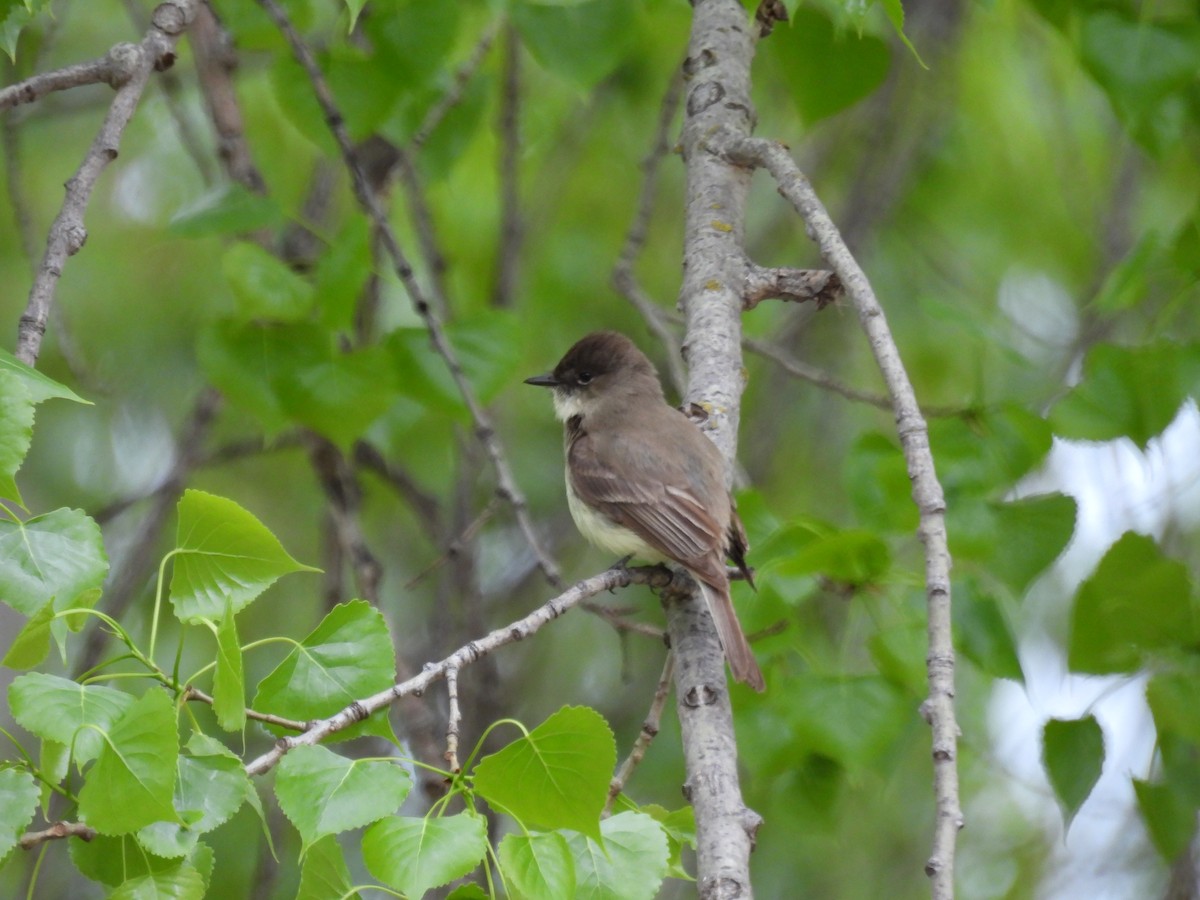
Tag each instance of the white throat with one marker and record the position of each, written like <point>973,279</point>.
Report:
<point>566,404</point>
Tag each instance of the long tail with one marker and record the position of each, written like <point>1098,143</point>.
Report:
<point>733,640</point>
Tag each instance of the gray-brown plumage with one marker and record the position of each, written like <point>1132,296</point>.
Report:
<point>642,480</point>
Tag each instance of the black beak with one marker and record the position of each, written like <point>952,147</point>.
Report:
<point>547,380</point>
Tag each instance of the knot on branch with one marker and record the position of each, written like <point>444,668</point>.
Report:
<point>76,237</point>
<point>700,695</point>
<point>123,61</point>
<point>174,16</point>
<point>703,96</point>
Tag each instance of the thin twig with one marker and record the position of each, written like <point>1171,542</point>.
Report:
<point>55,832</point>
<point>648,733</point>
<point>512,229</point>
<point>130,68</point>
<point>471,652</point>
<point>927,491</point>
<point>485,432</point>
<point>456,545</point>
<point>215,64</point>
<point>343,495</point>
<point>266,718</point>
<point>453,720</point>
<point>624,280</point>
<point>458,86</point>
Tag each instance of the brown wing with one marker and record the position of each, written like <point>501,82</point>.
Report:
<point>668,517</point>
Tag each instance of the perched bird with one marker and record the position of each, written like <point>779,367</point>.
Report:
<point>643,481</point>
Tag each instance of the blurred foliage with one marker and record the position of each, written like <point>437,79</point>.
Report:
<point>1026,208</point>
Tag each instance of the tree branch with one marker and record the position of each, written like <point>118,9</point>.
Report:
<point>485,432</point>
<point>608,580</point>
<point>927,491</point>
<point>623,277</point>
<point>132,65</point>
<point>647,734</point>
<point>55,832</point>
<point>791,285</point>
<point>717,96</point>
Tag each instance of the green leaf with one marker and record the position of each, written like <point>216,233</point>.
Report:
<point>32,643</point>
<point>468,891</point>
<point>324,874</point>
<point>293,372</point>
<point>229,680</point>
<point>826,72</point>
<point>414,855</point>
<point>895,14</point>
<point>59,556</point>
<point>555,777</point>
<point>852,556</point>
<point>116,860</point>
<point>629,863</point>
<point>1140,65</point>
<point>40,387</point>
<point>1137,601</point>
<point>18,802</point>
<point>537,865</point>
<point>1073,753</point>
<point>211,786</point>
<point>11,26</point>
<point>1028,536</point>
<point>180,882</point>
<point>323,793</point>
<point>1170,818</point>
<point>231,209</point>
<point>1172,698</point>
<point>875,477</point>
<point>354,7</point>
<point>982,632</point>
<point>852,720</point>
<point>57,709</point>
<point>265,288</point>
<point>1134,392</point>
<point>224,555</point>
<point>133,781</point>
<point>16,432</point>
<point>341,274</point>
<point>347,657</point>
<point>680,828</point>
<point>582,41</point>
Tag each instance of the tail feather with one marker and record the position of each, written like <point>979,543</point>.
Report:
<point>742,663</point>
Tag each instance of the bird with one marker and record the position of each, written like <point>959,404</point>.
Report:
<point>643,481</point>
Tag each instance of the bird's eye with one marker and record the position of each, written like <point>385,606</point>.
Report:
<point>584,377</point>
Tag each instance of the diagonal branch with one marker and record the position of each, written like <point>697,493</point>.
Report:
<point>472,651</point>
<point>485,432</point>
<point>927,491</point>
<point>133,64</point>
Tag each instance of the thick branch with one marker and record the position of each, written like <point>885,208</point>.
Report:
<point>471,652</point>
<point>717,97</point>
<point>927,491</point>
<point>67,234</point>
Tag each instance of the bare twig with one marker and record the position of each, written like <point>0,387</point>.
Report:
<point>266,718</point>
<point>508,254</point>
<point>453,720</point>
<point>927,492</point>
<point>423,503</point>
<point>648,733</point>
<point>623,277</point>
<point>421,215</point>
<point>609,579</point>
<point>215,64</point>
<point>453,96</point>
<point>343,495</point>
<point>131,65</point>
<point>113,68</point>
<point>456,546</point>
<point>485,432</point>
<point>55,832</point>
